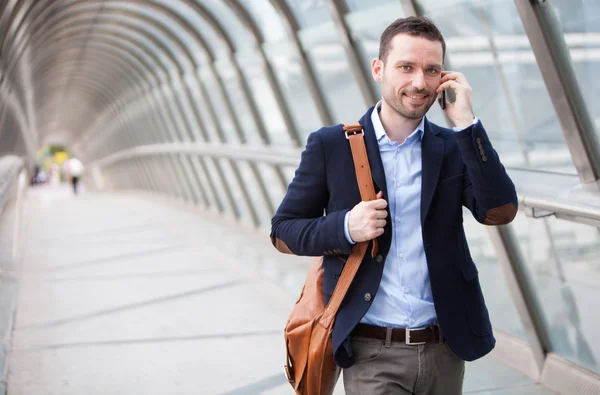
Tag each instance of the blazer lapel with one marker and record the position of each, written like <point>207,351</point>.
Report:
<point>373,152</point>
<point>432,148</point>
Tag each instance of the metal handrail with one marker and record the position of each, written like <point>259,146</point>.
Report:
<point>557,206</point>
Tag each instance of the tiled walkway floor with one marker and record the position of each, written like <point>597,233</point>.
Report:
<point>123,294</point>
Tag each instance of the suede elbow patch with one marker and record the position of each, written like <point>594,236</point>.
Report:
<point>501,215</point>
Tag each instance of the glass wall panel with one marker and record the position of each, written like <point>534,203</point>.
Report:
<point>333,73</point>
<point>266,18</point>
<point>164,18</point>
<point>498,300</point>
<point>309,12</point>
<point>256,196</point>
<point>274,189</point>
<point>209,36</point>
<point>367,21</point>
<point>563,259</point>
<point>580,23</point>
<point>253,72</point>
<point>229,22</point>
<point>235,188</point>
<point>286,66</point>
<point>218,182</point>
<point>166,41</point>
<point>238,99</point>
<point>509,94</point>
<point>219,105</point>
<point>207,124</point>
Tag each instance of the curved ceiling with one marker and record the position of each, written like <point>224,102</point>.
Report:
<point>66,63</point>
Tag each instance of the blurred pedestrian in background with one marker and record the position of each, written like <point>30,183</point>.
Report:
<point>75,170</point>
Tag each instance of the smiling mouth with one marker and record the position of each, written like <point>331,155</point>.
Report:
<point>416,99</point>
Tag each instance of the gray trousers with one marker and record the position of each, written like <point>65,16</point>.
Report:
<point>400,369</point>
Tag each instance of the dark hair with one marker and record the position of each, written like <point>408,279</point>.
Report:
<point>413,25</point>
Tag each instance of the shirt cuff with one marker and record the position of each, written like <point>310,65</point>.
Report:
<point>456,129</point>
<point>346,230</point>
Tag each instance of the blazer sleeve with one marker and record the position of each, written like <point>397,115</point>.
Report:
<point>299,226</point>
<point>488,191</point>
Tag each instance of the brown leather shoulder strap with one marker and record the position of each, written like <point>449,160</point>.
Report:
<point>355,134</point>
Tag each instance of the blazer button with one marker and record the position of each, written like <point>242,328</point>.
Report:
<point>478,140</point>
<point>484,158</point>
<point>367,297</point>
<point>379,258</point>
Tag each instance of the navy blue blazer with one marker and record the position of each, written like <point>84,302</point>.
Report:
<point>459,168</point>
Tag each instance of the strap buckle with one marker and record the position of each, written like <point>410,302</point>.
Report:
<point>353,133</point>
<point>408,340</point>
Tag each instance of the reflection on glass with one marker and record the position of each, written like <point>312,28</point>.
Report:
<point>500,304</point>
<point>563,258</point>
<point>509,94</point>
<point>333,73</point>
<point>288,71</point>
<point>581,26</point>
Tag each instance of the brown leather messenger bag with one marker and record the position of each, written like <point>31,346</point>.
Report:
<point>310,367</point>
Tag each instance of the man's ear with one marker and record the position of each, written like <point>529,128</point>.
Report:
<point>377,69</point>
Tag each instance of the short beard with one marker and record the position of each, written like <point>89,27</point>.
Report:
<point>403,111</point>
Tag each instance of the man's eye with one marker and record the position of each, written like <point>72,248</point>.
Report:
<point>432,71</point>
<point>405,68</point>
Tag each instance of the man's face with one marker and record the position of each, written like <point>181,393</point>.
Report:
<point>410,74</point>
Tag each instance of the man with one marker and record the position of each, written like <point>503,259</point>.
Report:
<point>75,170</point>
<point>422,287</point>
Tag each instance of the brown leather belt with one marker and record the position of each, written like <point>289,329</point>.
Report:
<point>415,336</point>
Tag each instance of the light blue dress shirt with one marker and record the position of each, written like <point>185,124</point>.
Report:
<point>404,297</point>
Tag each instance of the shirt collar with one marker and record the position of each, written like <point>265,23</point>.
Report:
<point>380,131</point>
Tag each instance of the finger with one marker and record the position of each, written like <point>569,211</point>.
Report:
<point>449,85</point>
<point>381,214</point>
<point>380,223</point>
<point>379,204</point>
<point>379,195</point>
<point>453,75</point>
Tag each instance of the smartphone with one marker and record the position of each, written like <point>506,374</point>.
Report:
<point>443,97</point>
<point>443,100</point>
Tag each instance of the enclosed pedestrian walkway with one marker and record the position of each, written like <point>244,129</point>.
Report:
<point>189,118</point>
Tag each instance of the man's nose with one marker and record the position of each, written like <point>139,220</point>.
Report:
<point>418,80</point>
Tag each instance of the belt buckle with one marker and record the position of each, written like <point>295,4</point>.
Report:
<point>407,339</point>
